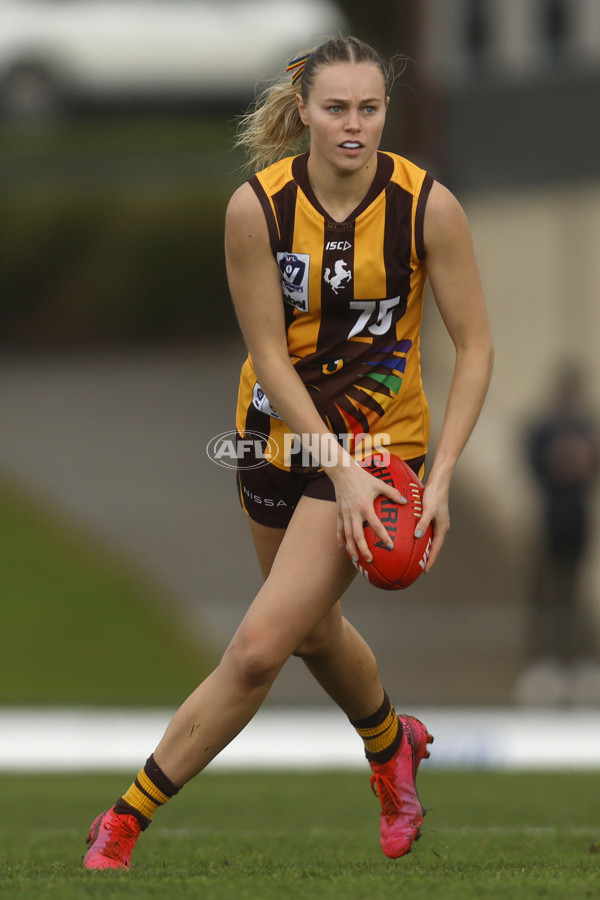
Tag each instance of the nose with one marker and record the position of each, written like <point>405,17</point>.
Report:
<point>352,122</point>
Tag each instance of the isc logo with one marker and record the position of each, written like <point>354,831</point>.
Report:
<point>337,245</point>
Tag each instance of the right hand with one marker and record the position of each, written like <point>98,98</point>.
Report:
<point>355,492</point>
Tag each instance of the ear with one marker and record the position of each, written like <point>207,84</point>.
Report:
<point>302,110</point>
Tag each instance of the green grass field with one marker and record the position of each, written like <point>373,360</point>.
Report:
<point>70,608</point>
<point>310,836</point>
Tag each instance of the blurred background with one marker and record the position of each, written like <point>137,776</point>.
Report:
<point>125,561</point>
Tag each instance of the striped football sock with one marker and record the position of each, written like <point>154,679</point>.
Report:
<point>381,732</point>
<point>150,790</point>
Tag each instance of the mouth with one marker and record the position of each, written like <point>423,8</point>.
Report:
<point>351,145</point>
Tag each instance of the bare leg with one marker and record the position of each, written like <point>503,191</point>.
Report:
<point>307,576</point>
<point>344,665</point>
<point>335,653</point>
<point>297,611</point>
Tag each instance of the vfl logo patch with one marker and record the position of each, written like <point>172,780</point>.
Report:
<point>260,401</point>
<point>294,268</point>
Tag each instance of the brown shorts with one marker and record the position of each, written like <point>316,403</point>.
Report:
<point>270,494</point>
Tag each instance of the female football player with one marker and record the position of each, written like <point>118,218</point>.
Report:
<point>327,256</point>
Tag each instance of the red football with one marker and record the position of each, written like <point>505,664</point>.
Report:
<point>401,566</point>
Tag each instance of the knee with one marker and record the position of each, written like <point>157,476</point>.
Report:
<point>253,663</point>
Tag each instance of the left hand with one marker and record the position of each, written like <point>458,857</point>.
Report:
<point>435,511</point>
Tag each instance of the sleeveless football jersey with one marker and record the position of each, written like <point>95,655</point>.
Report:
<point>353,294</point>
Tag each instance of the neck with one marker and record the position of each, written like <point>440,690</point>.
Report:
<point>338,191</point>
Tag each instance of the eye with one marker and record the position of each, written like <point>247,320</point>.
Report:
<point>332,366</point>
<point>335,109</point>
<point>370,110</point>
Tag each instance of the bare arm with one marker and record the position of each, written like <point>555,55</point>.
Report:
<point>456,285</point>
<point>255,285</point>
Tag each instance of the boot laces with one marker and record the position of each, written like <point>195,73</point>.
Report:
<point>122,837</point>
<point>385,789</point>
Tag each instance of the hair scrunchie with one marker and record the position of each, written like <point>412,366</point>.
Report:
<point>296,67</point>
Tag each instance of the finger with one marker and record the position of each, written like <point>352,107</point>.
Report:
<point>341,537</point>
<point>350,543</point>
<point>378,527</point>
<point>439,536</point>
<point>436,546</point>
<point>361,544</point>
<point>428,516</point>
<point>345,533</point>
<point>422,525</point>
<point>391,492</point>
<point>356,539</point>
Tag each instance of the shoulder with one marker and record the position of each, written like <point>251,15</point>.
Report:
<point>445,219</point>
<point>243,202</point>
<point>246,229</point>
<point>442,206</point>
<point>244,213</point>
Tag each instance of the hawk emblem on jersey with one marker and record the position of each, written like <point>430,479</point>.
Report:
<point>340,275</point>
<point>371,379</point>
<point>294,268</point>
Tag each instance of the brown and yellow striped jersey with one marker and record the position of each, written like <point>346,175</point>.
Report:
<point>353,295</point>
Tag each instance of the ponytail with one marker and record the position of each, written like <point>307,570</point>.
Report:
<point>272,128</point>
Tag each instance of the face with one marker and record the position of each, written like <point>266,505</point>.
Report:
<point>345,112</point>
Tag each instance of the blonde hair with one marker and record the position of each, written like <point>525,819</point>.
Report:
<point>272,128</point>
